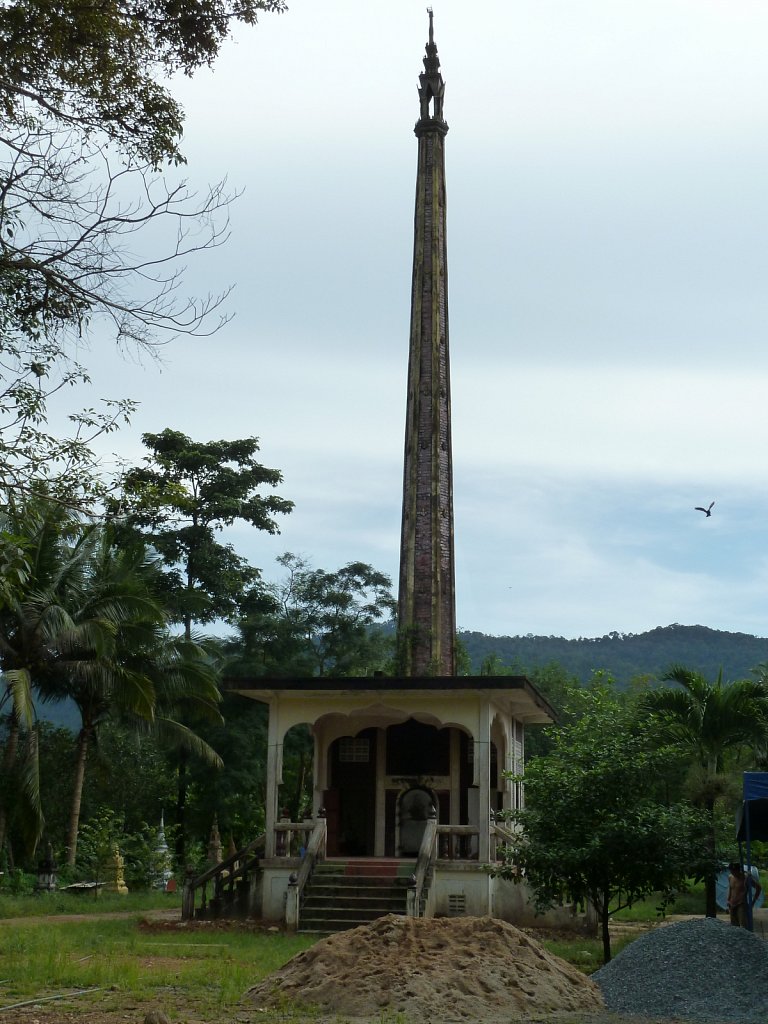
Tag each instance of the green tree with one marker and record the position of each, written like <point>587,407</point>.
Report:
<point>96,66</point>
<point>236,794</point>
<point>317,623</point>
<point>709,722</point>
<point>29,626</point>
<point>183,497</point>
<point>187,492</point>
<point>87,121</point>
<point>88,627</point>
<point>594,827</point>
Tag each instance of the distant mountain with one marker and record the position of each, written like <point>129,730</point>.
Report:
<point>627,655</point>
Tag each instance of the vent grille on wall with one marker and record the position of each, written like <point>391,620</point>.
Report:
<point>457,903</point>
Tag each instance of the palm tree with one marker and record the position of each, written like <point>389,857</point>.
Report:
<point>709,721</point>
<point>41,531</point>
<point>118,661</point>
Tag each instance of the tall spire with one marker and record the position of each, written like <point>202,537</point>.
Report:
<point>426,608</point>
<point>431,85</point>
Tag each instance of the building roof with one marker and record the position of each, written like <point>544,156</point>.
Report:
<point>515,691</point>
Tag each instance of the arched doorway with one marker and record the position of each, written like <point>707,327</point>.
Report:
<point>350,800</point>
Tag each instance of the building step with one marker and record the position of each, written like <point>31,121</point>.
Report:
<point>345,894</point>
<point>372,902</point>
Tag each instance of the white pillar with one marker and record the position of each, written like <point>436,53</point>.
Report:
<point>274,776</point>
<point>483,779</point>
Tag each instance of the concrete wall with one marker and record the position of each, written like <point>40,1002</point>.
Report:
<point>513,902</point>
<point>274,886</point>
<point>462,890</point>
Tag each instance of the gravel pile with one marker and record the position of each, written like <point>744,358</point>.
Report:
<point>701,970</point>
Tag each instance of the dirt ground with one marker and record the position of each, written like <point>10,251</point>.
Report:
<point>395,971</point>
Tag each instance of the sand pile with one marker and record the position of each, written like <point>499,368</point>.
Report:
<point>471,968</point>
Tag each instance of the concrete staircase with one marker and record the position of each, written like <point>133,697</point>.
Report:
<point>343,894</point>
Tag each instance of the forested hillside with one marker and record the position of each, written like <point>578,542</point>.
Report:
<point>626,655</point>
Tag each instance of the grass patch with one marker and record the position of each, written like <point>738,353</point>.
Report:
<point>691,902</point>
<point>583,953</point>
<point>45,903</point>
<point>188,973</point>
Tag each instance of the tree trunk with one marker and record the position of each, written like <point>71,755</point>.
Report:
<point>710,882</point>
<point>181,808</point>
<point>77,795</point>
<point>298,798</point>
<point>9,759</point>
<point>604,919</point>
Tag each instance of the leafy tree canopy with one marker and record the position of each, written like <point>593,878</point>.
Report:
<point>95,65</point>
<point>712,724</point>
<point>187,492</point>
<point>86,122</point>
<point>317,623</point>
<point>595,825</point>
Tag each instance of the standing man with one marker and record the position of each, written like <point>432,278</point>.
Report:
<point>740,889</point>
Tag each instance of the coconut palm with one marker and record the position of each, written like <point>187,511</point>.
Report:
<point>42,530</point>
<point>709,720</point>
<point>118,661</point>
<point>88,627</point>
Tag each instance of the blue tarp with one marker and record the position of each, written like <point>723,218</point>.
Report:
<point>755,785</point>
<point>752,816</point>
<point>752,820</point>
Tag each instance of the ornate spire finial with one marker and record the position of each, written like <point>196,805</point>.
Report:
<point>431,85</point>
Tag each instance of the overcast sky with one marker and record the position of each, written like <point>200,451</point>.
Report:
<point>607,168</point>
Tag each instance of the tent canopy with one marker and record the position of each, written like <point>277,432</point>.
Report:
<point>752,816</point>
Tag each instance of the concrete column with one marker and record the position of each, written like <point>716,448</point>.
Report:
<point>274,776</point>
<point>483,769</point>
<point>381,798</point>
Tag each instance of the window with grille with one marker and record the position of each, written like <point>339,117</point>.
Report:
<point>354,750</point>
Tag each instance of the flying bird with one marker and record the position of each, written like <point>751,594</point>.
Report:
<point>706,511</point>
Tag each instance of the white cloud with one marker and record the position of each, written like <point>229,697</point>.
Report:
<point>607,217</point>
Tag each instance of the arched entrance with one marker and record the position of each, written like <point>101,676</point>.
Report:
<point>351,798</point>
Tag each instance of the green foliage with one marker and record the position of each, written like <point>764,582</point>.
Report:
<point>596,825</point>
<point>48,904</point>
<point>206,971</point>
<point>126,772</point>
<point>187,492</point>
<point>711,724</point>
<point>87,121</point>
<point>625,656</point>
<point>87,626</point>
<point>236,793</point>
<point>99,838</point>
<point>317,623</point>
<point>16,882</point>
<point>96,66</point>
<point>103,834</point>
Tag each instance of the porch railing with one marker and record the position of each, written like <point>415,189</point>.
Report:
<point>458,842</point>
<point>421,887</point>
<point>232,885</point>
<point>501,835</point>
<point>292,837</point>
<point>315,852</point>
